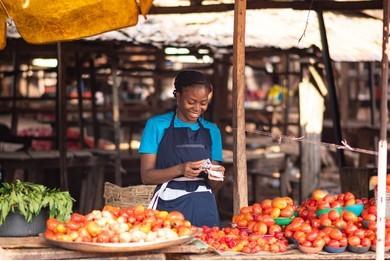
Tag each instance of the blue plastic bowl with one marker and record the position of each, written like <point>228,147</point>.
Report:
<point>357,209</point>
<point>358,250</point>
<point>330,249</point>
<point>327,210</point>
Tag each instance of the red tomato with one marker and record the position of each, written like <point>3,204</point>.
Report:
<point>353,240</point>
<point>78,218</point>
<point>311,236</point>
<point>319,242</point>
<point>72,225</point>
<point>360,233</point>
<point>333,215</point>
<point>336,234</point>
<point>365,242</point>
<point>51,224</point>
<point>333,243</point>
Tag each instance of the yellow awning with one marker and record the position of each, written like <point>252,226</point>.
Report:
<point>43,21</point>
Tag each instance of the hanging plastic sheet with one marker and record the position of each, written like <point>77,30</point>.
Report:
<point>43,21</point>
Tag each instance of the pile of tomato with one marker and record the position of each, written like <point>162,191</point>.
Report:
<point>113,225</point>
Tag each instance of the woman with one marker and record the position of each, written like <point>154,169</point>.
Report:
<point>174,148</point>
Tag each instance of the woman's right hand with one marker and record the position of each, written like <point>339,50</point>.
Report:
<point>192,169</point>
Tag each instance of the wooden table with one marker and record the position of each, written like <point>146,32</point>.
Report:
<point>23,248</point>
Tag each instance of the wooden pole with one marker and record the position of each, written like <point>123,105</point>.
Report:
<point>14,117</point>
<point>240,188</point>
<point>382,146</point>
<point>79,70</point>
<point>61,120</point>
<point>95,123</point>
<point>331,88</point>
<point>371,86</point>
<point>115,118</point>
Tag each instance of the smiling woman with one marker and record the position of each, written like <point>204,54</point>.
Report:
<point>175,145</point>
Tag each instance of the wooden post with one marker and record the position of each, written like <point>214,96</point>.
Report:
<point>371,86</point>
<point>382,146</point>
<point>61,120</point>
<point>95,124</point>
<point>80,98</point>
<point>116,121</point>
<point>240,188</point>
<point>14,117</point>
<point>331,88</point>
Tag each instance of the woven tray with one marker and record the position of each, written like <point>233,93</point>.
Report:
<point>128,196</point>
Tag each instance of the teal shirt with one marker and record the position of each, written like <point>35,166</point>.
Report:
<point>154,131</point>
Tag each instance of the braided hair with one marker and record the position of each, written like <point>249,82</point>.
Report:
<point>188,78</point>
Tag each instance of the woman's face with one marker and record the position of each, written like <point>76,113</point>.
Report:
<point>192,102</point>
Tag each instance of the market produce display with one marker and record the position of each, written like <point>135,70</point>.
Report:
<point>119,225</point>
<point>324,222</point>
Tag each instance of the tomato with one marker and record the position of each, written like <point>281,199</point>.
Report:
<point>72,225</point>
<point>333,243</point>
<point>51,224</point>
<point>274,229</point>
<point>311,236</point>
<point>333,215</point>
<point>319,242</point>
<point>348,196</point>
<point>349,216</point>
<point>266,203</point>
<point>78,218</point>
<point>245,210</point>
<point>365,242</point>
<point>360,233</point>
<point>286,212</point>
<point>93,228</point>
<point>256,208</point>
<point>275,212</point>
<point>353,240</point>
<point>50,234</point>
<point>104,237</point>
<point>306,244</point>
<point>336,234</point>
<point>315,223</point>
<point>343,242</point>
<point>175,215</point>
<point>60,228</point>
<point>341,224</point>
<point>306,228</point>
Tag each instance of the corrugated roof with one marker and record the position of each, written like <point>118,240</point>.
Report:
<point>350,38</point>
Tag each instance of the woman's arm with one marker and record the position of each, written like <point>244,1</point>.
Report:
<point>152,176</point>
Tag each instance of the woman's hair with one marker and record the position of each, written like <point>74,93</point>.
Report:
<point>188,78</point>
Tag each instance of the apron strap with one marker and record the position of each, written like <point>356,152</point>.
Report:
<point>153,203</point>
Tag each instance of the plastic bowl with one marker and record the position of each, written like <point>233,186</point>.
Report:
<point>283,221</point>
<point>373,248</point>
<point>358,250</point>
<point>310,250</point>
<point>330,249</point>
<point>356,209</point>
<point>327,210</point>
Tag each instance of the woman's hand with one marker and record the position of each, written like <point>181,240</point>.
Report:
<point>192,169</point>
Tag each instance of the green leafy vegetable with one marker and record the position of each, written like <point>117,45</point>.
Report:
<point>28,199</point>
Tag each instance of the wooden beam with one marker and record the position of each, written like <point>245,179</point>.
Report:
<point>95,123</point>
<point>240,187</point>
<point>80,98</point>
<point>61,119</point>
<point>116,120</point>
<point>14,116</point>
<point>325,5</point>
<point>331,88</point>
<point>371,86</point>
<point>382,146</point>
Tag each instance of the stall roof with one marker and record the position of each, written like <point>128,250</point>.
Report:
<point>351,38</point>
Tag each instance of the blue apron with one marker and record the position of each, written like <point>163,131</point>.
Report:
<point>193,198</point>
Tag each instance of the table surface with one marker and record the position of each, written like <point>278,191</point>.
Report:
<point>35,248</point>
